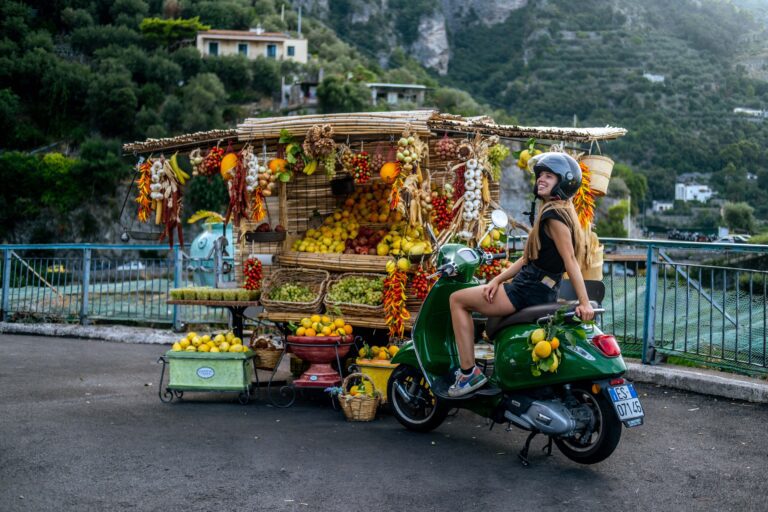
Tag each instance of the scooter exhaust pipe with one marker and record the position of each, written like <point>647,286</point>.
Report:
<point>405,395</point>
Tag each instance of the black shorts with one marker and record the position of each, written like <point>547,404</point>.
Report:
<point>529,287</point>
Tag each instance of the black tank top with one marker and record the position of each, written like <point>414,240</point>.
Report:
<point>549,259</point>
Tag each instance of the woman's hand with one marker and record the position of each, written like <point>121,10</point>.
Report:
<point>489,291</point>
<point>585,312</point>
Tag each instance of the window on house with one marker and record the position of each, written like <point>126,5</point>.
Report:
<point>242,49</point>
<point>272,51</point>
<point>213,49</point>
<point>291,51</point>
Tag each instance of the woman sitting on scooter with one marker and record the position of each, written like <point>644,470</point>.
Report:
<point>556,244</point>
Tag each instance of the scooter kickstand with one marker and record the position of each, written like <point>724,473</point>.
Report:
<point>523,455</point>
<point>548,447</point>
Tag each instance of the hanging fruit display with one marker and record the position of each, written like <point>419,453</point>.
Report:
<point>196,159</point>
<point>417,200</point>
<point>525,155</point>
<point>165,196</point>
<point>212,162</point>
<point>320,147</point>
<point>389,172</point>
<point>294,155</point>
<point>395,297</point>
<point>238,192</point>
<point>258,180</point>
<point>410,150</point>
<point>446,149</point>
<point>496,155</point>
<point>144,184</point>
<point>421,283</point>
<point>473,196</point>
<point>584,199</point>
<point>361,168</point>
<point>253,272</point>
<point>442,207</point>
<point>228,165</point>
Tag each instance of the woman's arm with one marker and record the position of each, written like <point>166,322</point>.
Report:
<point>562,238</point>
<point>507,274</point>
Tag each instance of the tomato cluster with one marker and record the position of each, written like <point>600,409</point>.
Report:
<point>253,273</point>
<point>212,162</point>
<point>361,167</point>
<point>442,211</point>
<point>420,283</point>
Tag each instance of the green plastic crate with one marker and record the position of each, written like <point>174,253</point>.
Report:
<point>205,371</point>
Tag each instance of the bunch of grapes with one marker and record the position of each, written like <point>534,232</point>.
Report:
<point>212,162</point>
<point>361,168</point>
<point>253,273</point>
<point>299,165</point>
<point>446,149</point>
<point>329,162</point>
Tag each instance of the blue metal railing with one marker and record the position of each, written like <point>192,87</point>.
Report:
<point>663,298</point>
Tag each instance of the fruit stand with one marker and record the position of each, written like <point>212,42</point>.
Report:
<point>352,206</point>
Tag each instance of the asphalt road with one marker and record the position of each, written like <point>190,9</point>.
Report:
<point>82,428</point>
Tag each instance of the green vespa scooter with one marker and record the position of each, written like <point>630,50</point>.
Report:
<point>580,407</point>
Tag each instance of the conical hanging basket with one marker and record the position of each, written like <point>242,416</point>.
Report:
<point>600,168</point>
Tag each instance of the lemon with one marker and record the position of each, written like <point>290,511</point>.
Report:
<point>338,322</point>
<point>205,339</point>
<point>535,358</point>
<point>204,348</point>
<point>236,341</point>
<point>326,320</point>
<point>306,323</point>
<point>301,331</point>
<point>543,349</point>
<point>224,346</point>
<point>354,390</point>
<point>219,338</point>
<point>555,364</point>
<point>215,349</point>
<point>236,348</point>
<point>176,347</point>
<point>184,343</point>
<point>403,264</point>
<point>362,352</point>
<point>196,341</point>
<point>394,349</point>
<point>315,318</point>
<point>538,335</point>
<point>391,267</point>
<point>190,349</point>
<point>191,335</point>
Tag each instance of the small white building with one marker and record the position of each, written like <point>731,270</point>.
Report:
<point>692,192</point>
<point>661,206</point>
<point>393,94</point>
<point>252,44</point>
<point>656,79</point>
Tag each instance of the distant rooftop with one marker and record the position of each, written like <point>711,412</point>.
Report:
<point>397,86</point>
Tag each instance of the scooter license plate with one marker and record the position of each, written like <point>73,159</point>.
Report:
<point>627,405</point>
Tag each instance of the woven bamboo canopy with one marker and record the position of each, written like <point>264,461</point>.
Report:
<point>375,124</point>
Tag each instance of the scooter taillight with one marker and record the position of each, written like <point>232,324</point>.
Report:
<point>607,345</point>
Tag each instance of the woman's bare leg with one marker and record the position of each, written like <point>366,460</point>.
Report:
<point>463,303</point>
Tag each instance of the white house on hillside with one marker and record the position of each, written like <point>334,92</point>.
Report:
<point>252,43</point>
<point>692,192</point>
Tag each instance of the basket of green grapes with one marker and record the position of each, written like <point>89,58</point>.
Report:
<point>295,290</point>
<point>356,294</point>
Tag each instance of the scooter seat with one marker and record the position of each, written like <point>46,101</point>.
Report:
<point>525,316</point>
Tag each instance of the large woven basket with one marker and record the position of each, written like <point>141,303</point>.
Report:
<point>348,308</point>
<point>316,280</point>
<point>359,407</point>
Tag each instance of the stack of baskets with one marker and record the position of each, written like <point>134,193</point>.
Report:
<point>360,407</point>
<point>348,308</point>
<point>316,280</point>
<point>267,354</point>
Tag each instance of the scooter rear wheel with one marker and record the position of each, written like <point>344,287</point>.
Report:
<point>412,402</point>
<point>603,441</point>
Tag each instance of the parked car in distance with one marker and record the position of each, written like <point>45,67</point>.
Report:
<point>618,269</point>
<point>733,239</point>
<point>131,265</point>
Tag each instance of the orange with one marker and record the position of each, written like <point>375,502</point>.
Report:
<point>383,354</point>
<point>310,332</point>
<point>555,343</point>
<point>277,165</point>
<point>326,320</point>
<point>389,172</point>
<point>326,331</point>
<point>228,164</point>
<point>347,329</point>
<point>394,349</point>
<point>301,331</point>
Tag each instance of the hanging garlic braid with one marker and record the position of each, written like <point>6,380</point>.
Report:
<point>570,217</point>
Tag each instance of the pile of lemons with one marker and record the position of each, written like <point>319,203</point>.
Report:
<point>317,325</point>
<point>377,353</point>
<point>545,353</point>
<point>226,342</point>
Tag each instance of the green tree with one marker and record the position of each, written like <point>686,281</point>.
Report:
<point>739,216</point>
<point>636,183</point>
<point>613,224</point>
<point>59,188</point>
<point>203,98</point>
<point>112,102</point>
<point>170,33</point>
<point>128,12</point>
<point>334,94</point>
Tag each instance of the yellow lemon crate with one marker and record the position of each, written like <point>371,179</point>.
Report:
<point>378,371</point>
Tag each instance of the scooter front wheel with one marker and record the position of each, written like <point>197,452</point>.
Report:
<point>412,402</point>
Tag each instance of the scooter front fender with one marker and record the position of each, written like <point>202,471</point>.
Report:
<point>406,355</point>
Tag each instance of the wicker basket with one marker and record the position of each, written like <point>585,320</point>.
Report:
<point>360,407</point>
<point>316,280</point>
<point>348,308</point>
<point>266,358</point>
